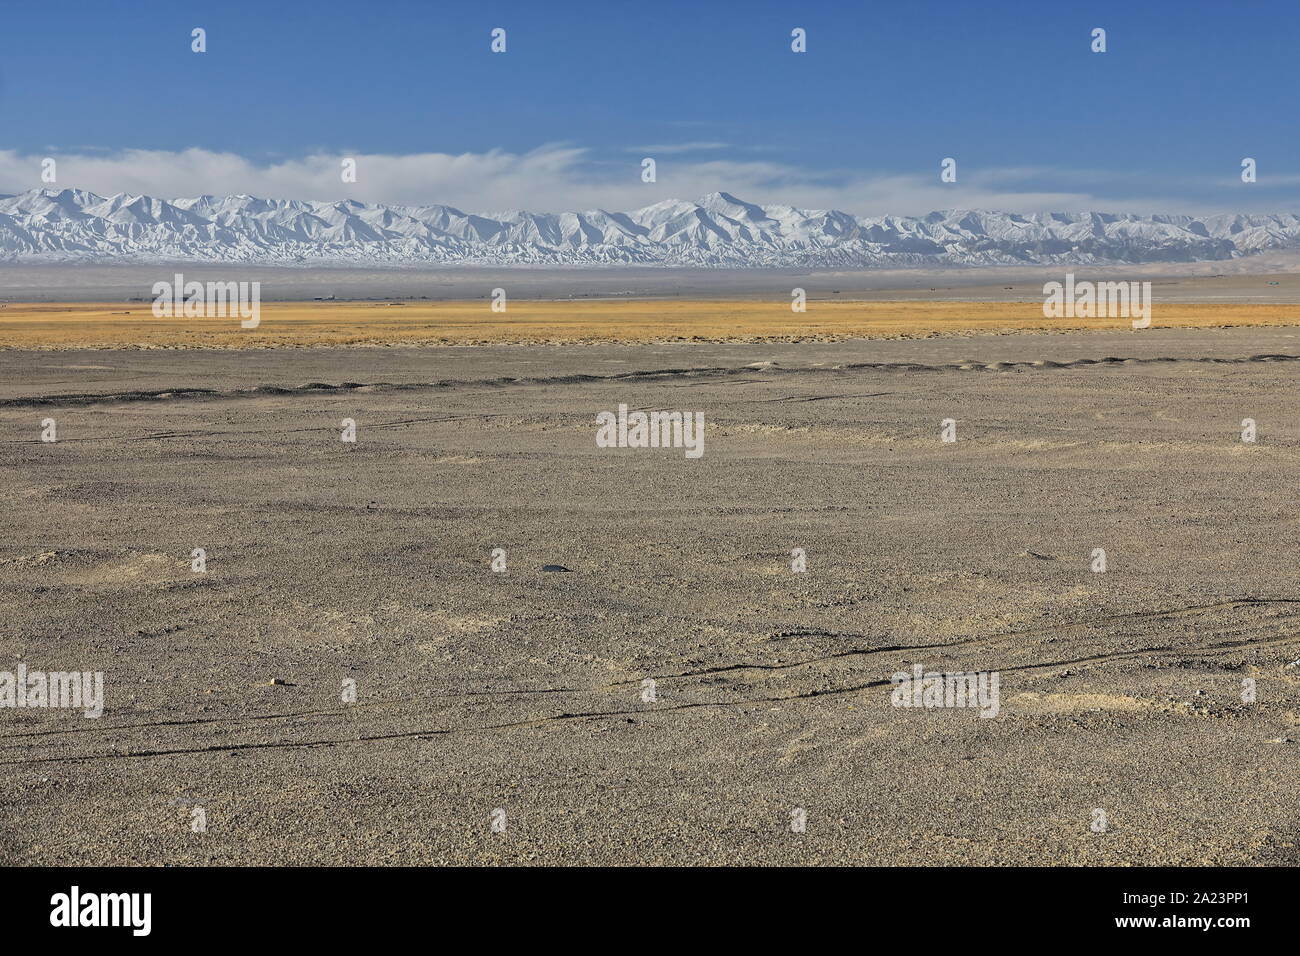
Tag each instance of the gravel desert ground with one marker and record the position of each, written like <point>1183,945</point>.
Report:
<point>518,698</point>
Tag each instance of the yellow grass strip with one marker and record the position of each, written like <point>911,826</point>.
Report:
<point>301,324</point>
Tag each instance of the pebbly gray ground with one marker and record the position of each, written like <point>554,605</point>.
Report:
<point>329,561</point>
<point>1266,278</point>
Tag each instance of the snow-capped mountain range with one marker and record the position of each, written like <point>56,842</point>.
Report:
<point>718,230</point>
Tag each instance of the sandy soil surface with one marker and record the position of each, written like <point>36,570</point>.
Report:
<point>532,322</point>
<point>330,561</point>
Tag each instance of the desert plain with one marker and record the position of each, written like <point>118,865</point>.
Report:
<point>517,697</point>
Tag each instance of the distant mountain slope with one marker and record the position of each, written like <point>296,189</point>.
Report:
<point>718,230</point>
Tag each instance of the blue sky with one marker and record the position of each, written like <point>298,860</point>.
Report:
<point>1160,122</point>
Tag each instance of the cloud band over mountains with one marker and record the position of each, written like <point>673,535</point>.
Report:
<point>557,177</point>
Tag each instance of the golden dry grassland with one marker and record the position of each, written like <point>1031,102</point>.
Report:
<point>302,324</point>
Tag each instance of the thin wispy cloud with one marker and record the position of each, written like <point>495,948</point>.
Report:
<point>672,149</point>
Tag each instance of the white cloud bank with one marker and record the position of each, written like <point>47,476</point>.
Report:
<point>560,177</point>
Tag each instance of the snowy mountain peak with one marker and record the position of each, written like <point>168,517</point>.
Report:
<point>719,229</point>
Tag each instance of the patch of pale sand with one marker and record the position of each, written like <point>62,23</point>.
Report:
<point>351,625</point>
<point>1032,703</point>
<point>443,626</point>
<point>819,433</point>
<point>40,559</point>
<point>1040,444</point>
<point>823,749</point>
<point>67,500</point>
<point>462,623</point>
<point>802,743</point>
<point>85,568</point>
<point>132,567</point>
<point>964,590</point>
